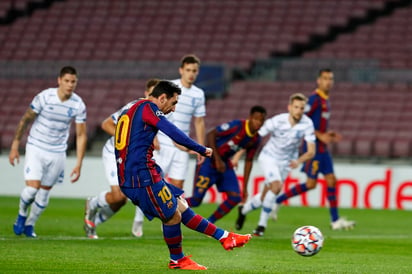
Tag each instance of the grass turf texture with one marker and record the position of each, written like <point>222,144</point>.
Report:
<point>380,243</point>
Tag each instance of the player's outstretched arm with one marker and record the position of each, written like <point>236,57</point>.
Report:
<point>180,137</point>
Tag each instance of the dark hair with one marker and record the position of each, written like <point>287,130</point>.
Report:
<point>151,83</point>
<point>165,87</point>
<point>67,70</point>
<point>324,70</point>
<point>189,59</point>
<point>259,109</point>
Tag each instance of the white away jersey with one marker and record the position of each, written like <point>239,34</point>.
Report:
<point>51,128</point>
<point>191,103</point>
<point>284,140</point>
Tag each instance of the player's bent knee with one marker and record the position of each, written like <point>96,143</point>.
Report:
<point>195,202</point>
<point>235,199</point>
<point>311,186</point>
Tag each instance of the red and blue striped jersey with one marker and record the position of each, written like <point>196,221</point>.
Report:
<point>318,109</point>
<point>135,131</point>
<point>235,135</point>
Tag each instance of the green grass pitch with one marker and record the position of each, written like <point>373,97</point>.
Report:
<point>380,243</point>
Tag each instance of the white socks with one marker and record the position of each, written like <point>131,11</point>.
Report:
<point>99,201</point>
<point>252,204</point>
<point>40,203</point>
<point>268,202</point>
<point>26,198</point>
<point>103,215</point>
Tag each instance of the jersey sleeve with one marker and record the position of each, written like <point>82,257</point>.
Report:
<point>151,114</point>
<point>179,136</point>
<point>268,127</point>
<point>312,110</point>
<point>228,128</point>
<point>37,103</point>
<point>311,105</point>
<point>115,116</point>
<point>154,117</point>
<point>310,136</point>
<point>200,109</point>
<point>82,113</point>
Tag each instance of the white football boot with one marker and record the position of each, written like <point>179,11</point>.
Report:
<point>137,229</point>
<point>342,224</point>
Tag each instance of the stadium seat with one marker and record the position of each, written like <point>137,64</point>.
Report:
<point>363,147</point>
<point>402,148</point>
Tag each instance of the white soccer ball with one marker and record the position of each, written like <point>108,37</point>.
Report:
<point>307,240</point>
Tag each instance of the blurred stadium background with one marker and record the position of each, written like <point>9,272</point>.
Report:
<point>252,52</point>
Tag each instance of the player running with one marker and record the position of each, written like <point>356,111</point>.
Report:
<point>226,140</point>
<point>318,109</point>
<point>279,156</point>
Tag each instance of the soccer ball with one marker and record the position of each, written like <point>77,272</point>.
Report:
<point>307,240</point>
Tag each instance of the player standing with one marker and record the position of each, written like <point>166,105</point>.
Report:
<point>279,155</point>
<point>226,140</point>
<point>141,180</point>
<point>51,111</point>
<point>100,208</point>
<point>318,109</point>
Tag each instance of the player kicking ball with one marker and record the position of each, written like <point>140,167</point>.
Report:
<point>141,180</point>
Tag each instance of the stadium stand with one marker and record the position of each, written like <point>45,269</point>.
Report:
<point>248,29</point>
<point>118,45</point>
<point>387,40</point>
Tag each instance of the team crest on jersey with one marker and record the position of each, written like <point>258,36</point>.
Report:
<point>170,205</point>
<point>159,113</point>
<point>299,134</point>
<point>224,126</point>
<point>70,112</point>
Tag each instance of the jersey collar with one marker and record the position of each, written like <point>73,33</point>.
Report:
<point>322,94</point>
<point>247,129</point>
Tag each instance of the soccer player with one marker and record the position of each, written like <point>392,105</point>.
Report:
<point>173,159</point>
<point>141,180</point>
<point>100,208</point>
<point>226,140</point>
<point>318,109</point>
<point>51,111</point>
<point>279,155</point>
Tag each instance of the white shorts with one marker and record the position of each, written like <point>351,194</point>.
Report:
<point>110,167</point>
<point>44,166</point>
<point>173,162</point>
<point>273,169</point>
